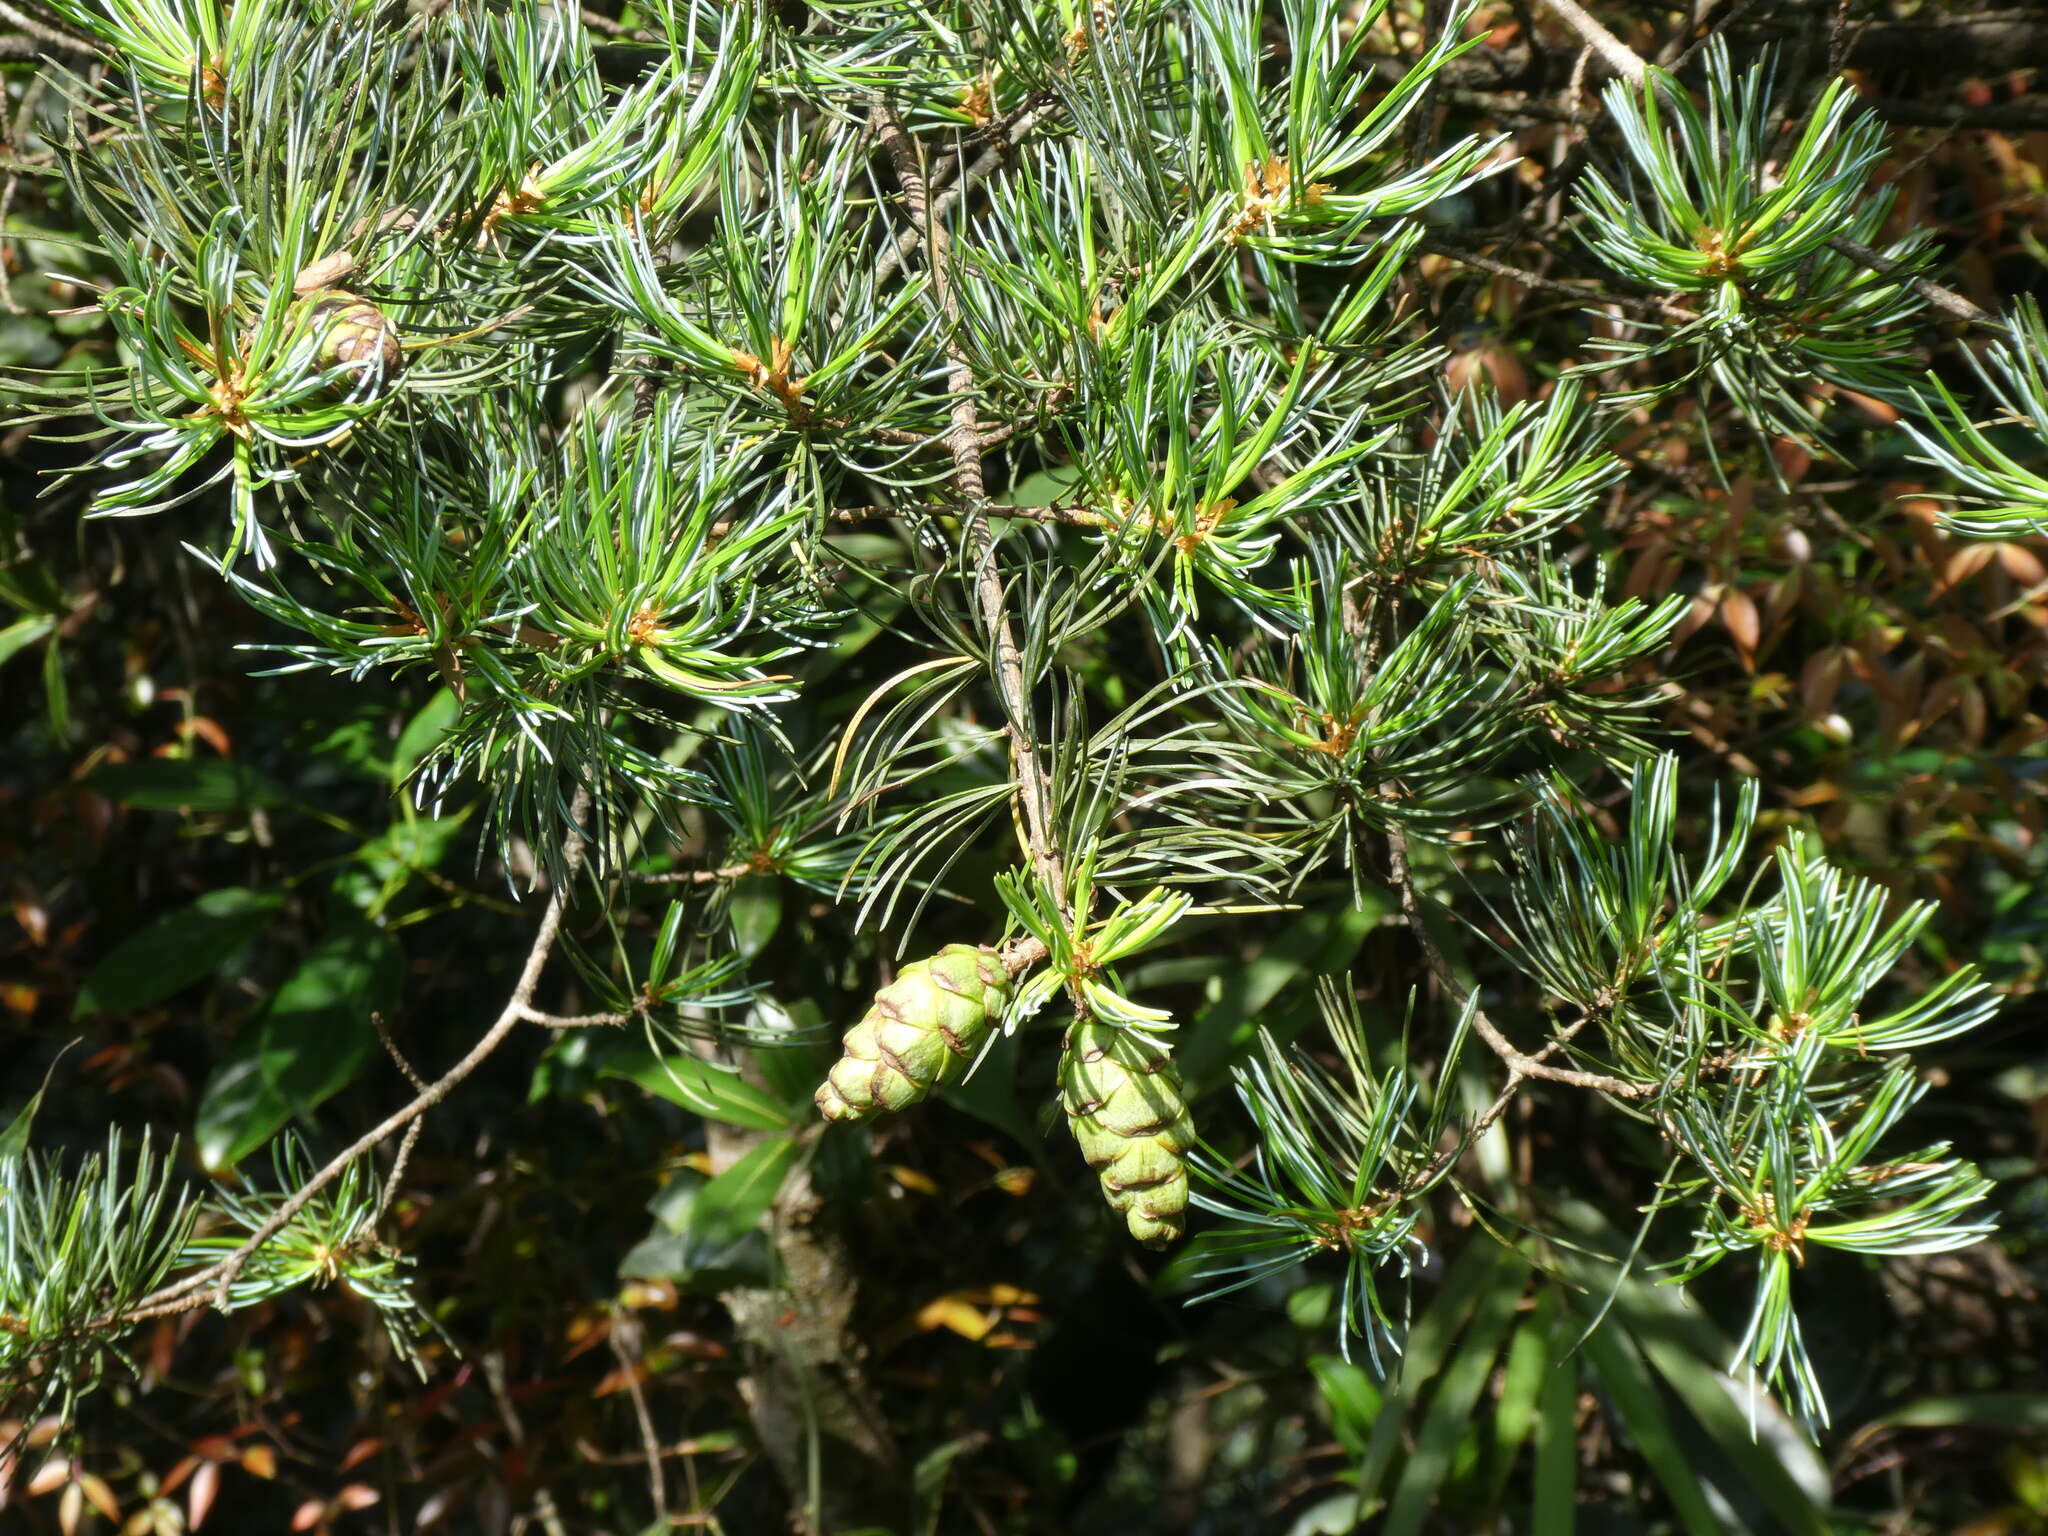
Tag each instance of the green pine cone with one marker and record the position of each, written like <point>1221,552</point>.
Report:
<point>1124,1103</point>
<point>923,1030</point>
<point>355,332</point>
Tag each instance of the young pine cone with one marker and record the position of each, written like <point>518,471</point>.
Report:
<point>923,1030</point>
<point>1124,1103</point>
<point>355,332</point>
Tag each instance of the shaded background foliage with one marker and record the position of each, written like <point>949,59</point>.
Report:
<point>1872,671</point>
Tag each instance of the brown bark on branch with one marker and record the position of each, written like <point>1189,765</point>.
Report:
<point>964,442</point>
<point>212,1282</point>
<point>1519,1064</point>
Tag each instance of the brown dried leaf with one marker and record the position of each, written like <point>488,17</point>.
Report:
<point>1693,619</point>
<point>1740,618</point>
<point>1819,681</point>
<point>1971,711</point>
<point>1962,564</point>
<point>49,1477</point>
<point>362,1451</point>
<point>619,1378</point>
<point>103,1500</point>
<point>1880,411</point>
<point>163,1348</point>
<point>1911,681</point>
<point>697,1346</point>
<point>1741,502</point>
<point>175,1478</point>
<point>211,731</point>
<point>1652,572</point>
<point>913,1179</point>
<point>1781,597</point>
<point>34,919</point>
<point>2022,564</point>
<point>1792,459</point>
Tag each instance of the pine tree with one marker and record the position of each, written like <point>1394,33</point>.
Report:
<point>618,384</point>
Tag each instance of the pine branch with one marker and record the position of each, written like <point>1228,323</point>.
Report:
<point>1004,136</point>
<point>212,1283</point>
<point>1947,300</point>
<point>1518,1063</point>
<point>1445,1160</point>
<point>964,442</point>
<point>52,35</point>
<point>1616,54</point>
<point>1585,293</point>
<point>1629,64</point>
<point>854,517</point>
<point>576,1020</point>
<point>695,876</point>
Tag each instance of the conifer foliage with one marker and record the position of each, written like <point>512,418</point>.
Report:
<point>979,473</point>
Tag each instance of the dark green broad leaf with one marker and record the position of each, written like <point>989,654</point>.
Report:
<point>411,846</point>
<point>732,1205</point>
<point>312,1041</point>
<point>756,912</point>
<point>1636,1405</point>
<point>238,1111</point>
<point>22,633</point>
<point>1474,1285</point>
<point>14,1140</point>
<point>1427,1472</point>
<point>796,1063</point>
<point>1351,1397</point>
<point>710,1229</point>
<point>176,950</point>
<point>1317,943</point>
<point>1770,1461</point>
<point>1553,1497</point>
<point>663,1253</point>
<point>356,742</point>
<point>717,1093</point>
<point>167,784</point>
<point>421,733</point>
<point>1999,1410</point>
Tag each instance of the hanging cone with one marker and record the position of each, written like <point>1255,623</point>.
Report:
<point>1124,1103</point>
<point>923,1030</point>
